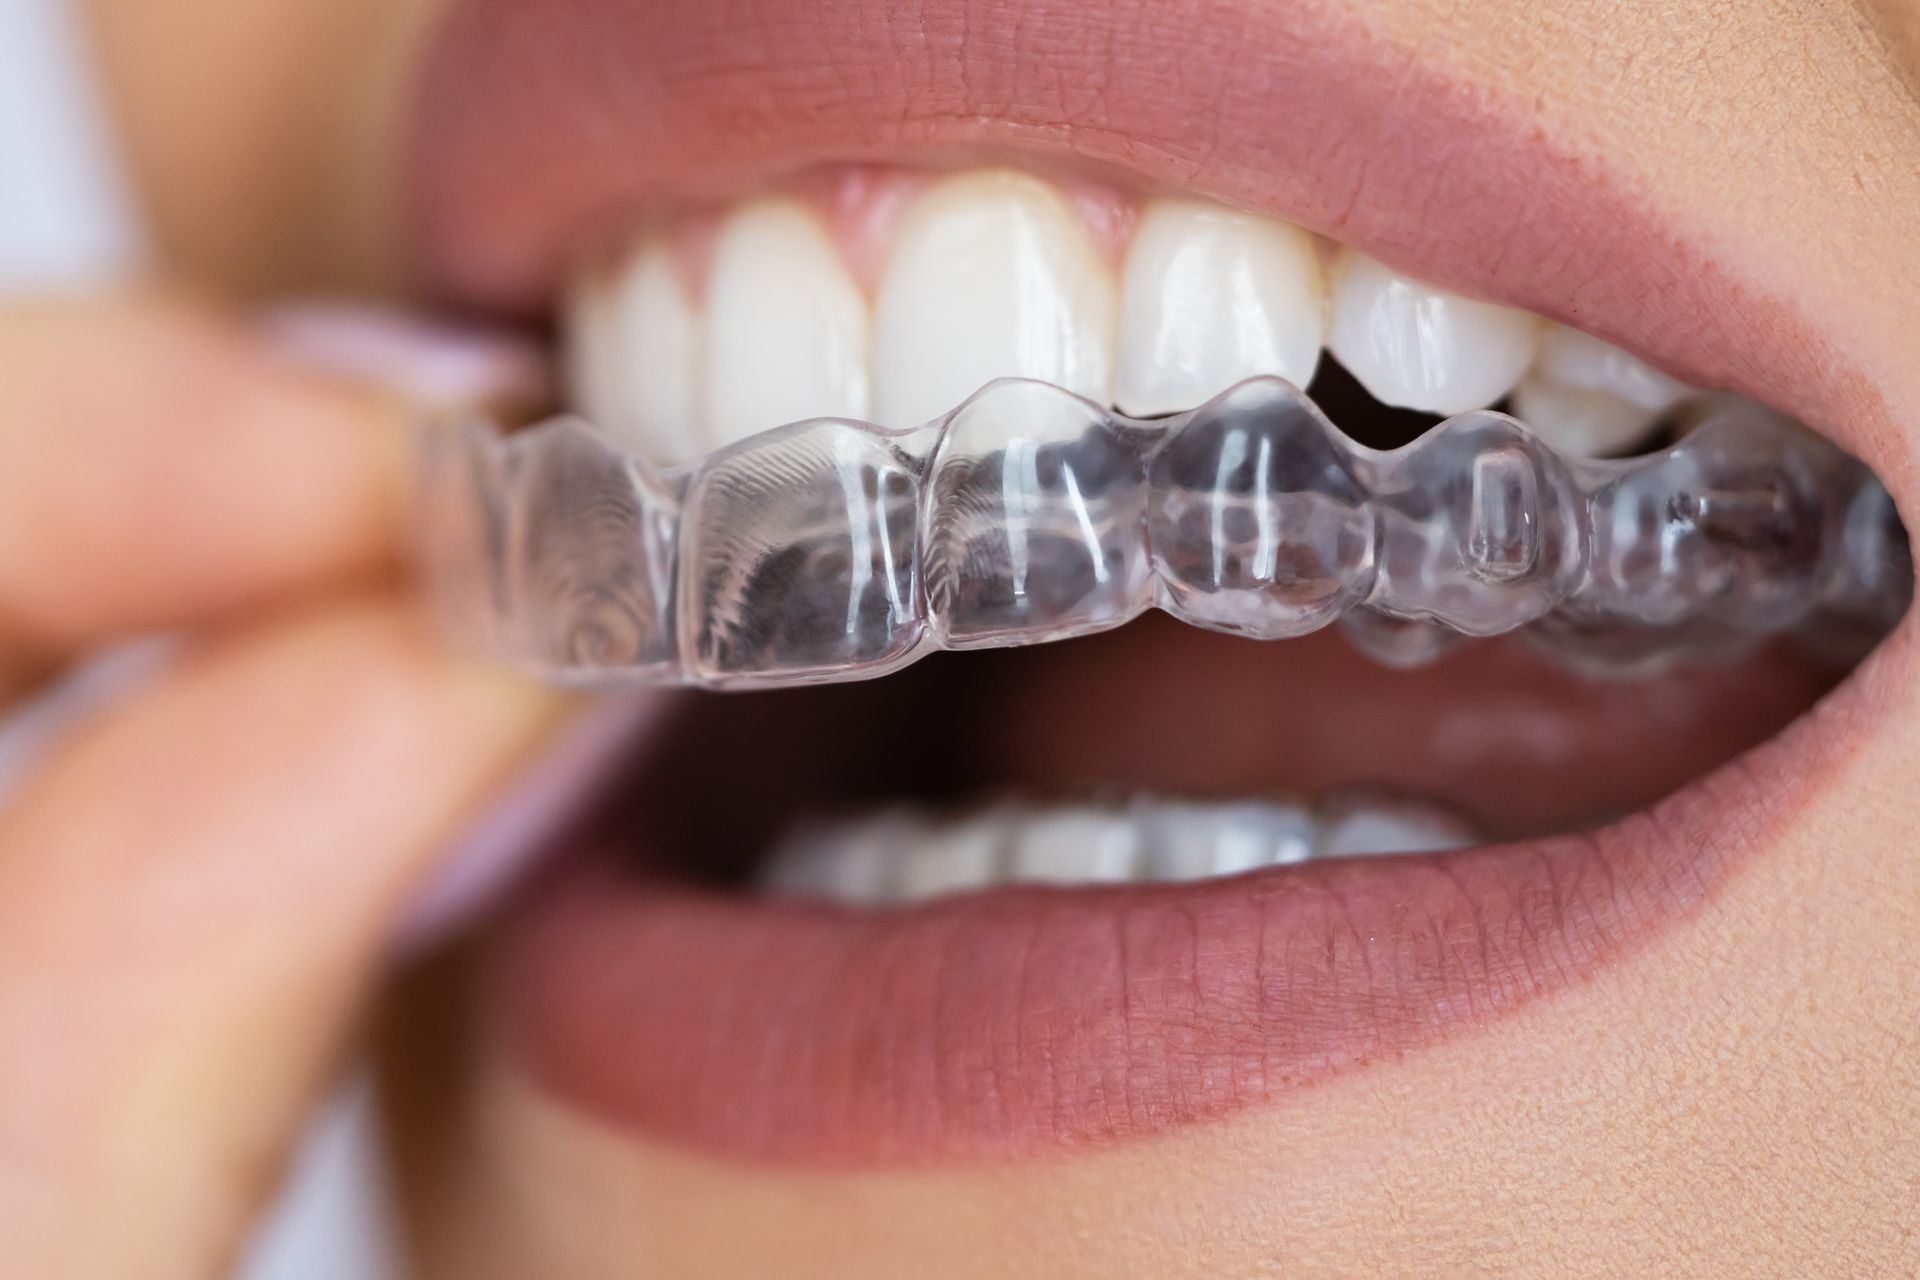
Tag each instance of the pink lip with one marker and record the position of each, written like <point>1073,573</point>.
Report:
<point>544,127</point>
<point>1025,1020</point>
<point>1017,1021</point>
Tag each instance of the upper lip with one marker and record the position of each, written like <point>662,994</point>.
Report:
<point>542,128</point>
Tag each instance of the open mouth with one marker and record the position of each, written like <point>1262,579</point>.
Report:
<point>1489,641</point>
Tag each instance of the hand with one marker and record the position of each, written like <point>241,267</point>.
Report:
<point>198,885</point>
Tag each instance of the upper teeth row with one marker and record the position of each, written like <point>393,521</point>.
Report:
<point>992,274</point>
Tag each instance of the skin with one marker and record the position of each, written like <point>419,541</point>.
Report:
<point>1736,1098</point>
<point>189,947</point>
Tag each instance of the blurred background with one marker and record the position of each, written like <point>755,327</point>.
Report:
<point>74,216</point>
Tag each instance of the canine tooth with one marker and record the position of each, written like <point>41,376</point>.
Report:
<point>991,276</point>
<point>1577,359</point>
<point>1070,847</point>
<point>631,344</point>
<point>787,328</point>
<point>1417,347</point>
<point>1211,296</point>
<point>1590,424</point>
<point>937,860</point>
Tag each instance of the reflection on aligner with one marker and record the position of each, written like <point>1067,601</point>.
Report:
<point>835,550</point>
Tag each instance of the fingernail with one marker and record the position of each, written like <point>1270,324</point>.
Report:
<point>436,366</point>
<point>494,851</point>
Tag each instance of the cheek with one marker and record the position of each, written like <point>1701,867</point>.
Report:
<point>500,1181</point>
<point>535,1190</point>
<point>539,1191</point>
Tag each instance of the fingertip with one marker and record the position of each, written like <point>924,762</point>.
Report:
<point>190,466</point>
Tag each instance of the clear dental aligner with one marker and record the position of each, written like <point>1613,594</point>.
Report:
<point>835,550</point>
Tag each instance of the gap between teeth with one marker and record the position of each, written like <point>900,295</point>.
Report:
<point>906,856</point>
<point>993,274</point>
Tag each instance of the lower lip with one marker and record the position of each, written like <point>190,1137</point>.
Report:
<point>1023,1020</point>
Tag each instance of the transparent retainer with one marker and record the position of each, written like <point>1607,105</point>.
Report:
<point>834,550</point>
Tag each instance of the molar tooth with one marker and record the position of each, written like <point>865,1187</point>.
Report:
<point>1209,297</point>
<point>1576,359</point>
<point>631,350</point>
<point>991,276</point>
<point>1417,347</point>
<point>1579,422</point>
<point>787,327</point>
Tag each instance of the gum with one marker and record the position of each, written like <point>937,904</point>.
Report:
<point>831,550</point>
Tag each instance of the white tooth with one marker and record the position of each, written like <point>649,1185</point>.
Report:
<point>1369,829</point>
<point>787,330</point>
<point>847,863</point>
<point>1577,359</point>
<point>1194,841</point>
<point>661,332</point>
<point>587,342</point>
<point>631,339</point>
<point>1210,296</point>
<point>1417,347</point>
<point>1181,840</point>
<point>903,858</point>
<point>1252,836</point>
<point>1724,406</point>
<point>1587,424</point>
<point>991,276</point>
<point>1069,847</point>
<point>950,858</point>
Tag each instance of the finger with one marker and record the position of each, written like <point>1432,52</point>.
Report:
<point>160,466</point>
<point>194,898</point>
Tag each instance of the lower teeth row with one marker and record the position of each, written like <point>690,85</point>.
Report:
<point>832,550</point>
<point>906,857</point>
